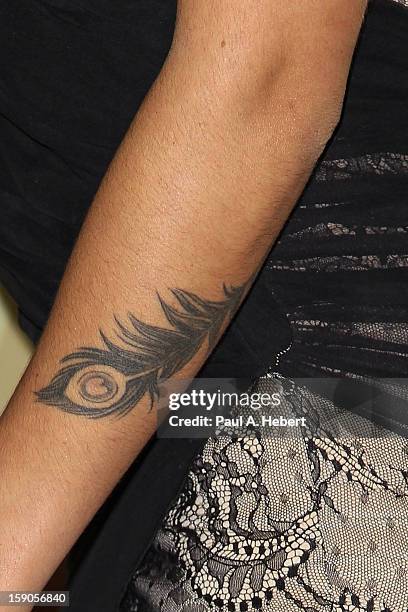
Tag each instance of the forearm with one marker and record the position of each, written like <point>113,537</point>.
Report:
<point>193,200</point>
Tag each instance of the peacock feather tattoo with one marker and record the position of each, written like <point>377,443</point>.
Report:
<point>98,382</point>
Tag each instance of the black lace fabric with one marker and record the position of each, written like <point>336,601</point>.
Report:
<point>311,522</point>
<point>340,268</point>
<point>314,522</point>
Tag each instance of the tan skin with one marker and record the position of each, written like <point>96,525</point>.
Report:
<point>211,166</point>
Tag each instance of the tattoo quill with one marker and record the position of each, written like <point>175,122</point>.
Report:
<point>97,382</point>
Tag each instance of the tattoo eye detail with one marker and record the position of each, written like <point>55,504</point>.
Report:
<point>98,386</point>
<point>98,382</point>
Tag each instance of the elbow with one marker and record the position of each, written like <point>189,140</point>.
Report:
<point>269,106</point>
<point>293,114</point>
<point>299,98</point>
<point>267,63</point>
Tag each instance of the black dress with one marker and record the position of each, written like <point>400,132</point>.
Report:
<point>317,522</point>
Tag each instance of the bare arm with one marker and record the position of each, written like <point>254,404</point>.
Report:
<point>203,182</point>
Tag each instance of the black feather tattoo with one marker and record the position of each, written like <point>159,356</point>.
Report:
<point>98,382</point>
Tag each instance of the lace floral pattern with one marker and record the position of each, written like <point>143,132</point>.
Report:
<point>311,522</point>
<point>378,164</point>
<point>315,522</point>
